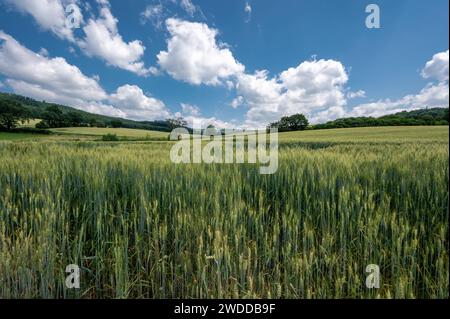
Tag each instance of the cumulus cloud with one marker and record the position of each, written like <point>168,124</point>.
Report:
<point>437,67</point>
<point>317,89</point>
<point>331,113</point>
<point>434,94</point>
<point>193,55</point>
<point>316,83</point>
<point>262,95</point>
<point>103,40</point>
<point>190,109</point>
<point>55,75</point>
<point>103,109</point>
<point>49,14</point>
<point>132,100</point>
<point>101,36</point>
<point>430,96</point>
<point>192,115</point>
<point>314,88</point>
<point>60,82</point>
<point>204,122</point>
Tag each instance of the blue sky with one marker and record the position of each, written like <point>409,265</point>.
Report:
<point>228,63</point>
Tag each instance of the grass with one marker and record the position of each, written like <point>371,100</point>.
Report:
<point>371,134</point>
<point>142,227</point>
<point>6,136</point>
<point>120,132</point>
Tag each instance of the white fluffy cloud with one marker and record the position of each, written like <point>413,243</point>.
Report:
<point>49,14</point>
<point>331,113</point>
<point>194,56</point>
<point>101,36</point>
<point>19,65</point>
<point>432,95</point>
<point>60,82</point>
<point>315,88</point>
<point>190,109</point>
<point>192,115</point>
<point>132,100</point>
<point>437,67</point>
<point>315,85</point>
<point>103,40</point>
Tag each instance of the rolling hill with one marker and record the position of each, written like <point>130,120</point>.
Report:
<point>422,117</point>
<point>433,116</point>
<point>37,108</point>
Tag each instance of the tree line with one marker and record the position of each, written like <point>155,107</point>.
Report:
<point>12,113</point>
<point>53,117</point>
<point>434,116</point>
<point>16,108</point>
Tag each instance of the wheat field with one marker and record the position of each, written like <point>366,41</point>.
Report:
<point>140,226</point>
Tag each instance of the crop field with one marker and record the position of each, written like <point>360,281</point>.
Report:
<point>88,134</point>
<point>394,134</point>
<point>17,136</point>
<point>140,226</point>
<point>121,132</point>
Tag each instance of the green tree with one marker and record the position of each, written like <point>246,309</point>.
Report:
<point>445,116</point>
<point>100,124</point>
<point>116,123</point>
<point>74,119</point>
<point>297,122</point>
<point>53,117</point>
<point>176,122</point>
<point>92,122</point>
<point>42,125</point>
<point>11,113</point>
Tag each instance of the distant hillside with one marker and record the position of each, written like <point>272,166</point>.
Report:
<point>434,116</point>
<point>38,108</point>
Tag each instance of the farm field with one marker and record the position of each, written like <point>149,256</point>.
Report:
<point>140,226</point>
<point>4,136</point>
<point>120,132</point>
<point>370,134</point>
<point>88,134</point>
